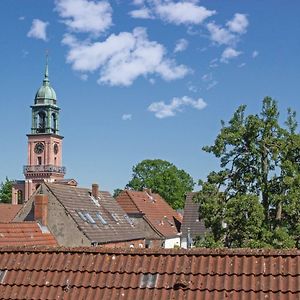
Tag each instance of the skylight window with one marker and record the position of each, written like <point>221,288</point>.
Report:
<point>82,216</point>
<point>89,218</point>
<point>129,220</point>
<point>95,201</point>
<point>148,280</point>
<point>102,220</point>
<point>115,217</point>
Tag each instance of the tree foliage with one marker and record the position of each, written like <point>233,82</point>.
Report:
<point>5,191</point>
<point>164,178</point>
<point>253,201</point>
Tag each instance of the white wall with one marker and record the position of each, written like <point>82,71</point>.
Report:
<point>170,243</point>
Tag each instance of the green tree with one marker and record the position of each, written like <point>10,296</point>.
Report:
<point>117,192</point>
<point>253,200</point>
<point>5,191</point>
<point>164,178</point>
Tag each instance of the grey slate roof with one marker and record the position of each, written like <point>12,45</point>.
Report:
<point>77,200</point>
<point>191,218</point>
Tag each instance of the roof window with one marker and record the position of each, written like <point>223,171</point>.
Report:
<point>102,220</point>
<point>115,217</point>
<point>129,220</point>
<point>82,216</point>
<point>89,218</point>
<point>148,280</point>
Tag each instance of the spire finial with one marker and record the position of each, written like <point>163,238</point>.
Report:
<point>46,68</point>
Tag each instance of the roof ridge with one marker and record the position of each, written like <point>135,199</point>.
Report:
<point>159,251</point>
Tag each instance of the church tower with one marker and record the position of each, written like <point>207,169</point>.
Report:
<point>44,152</point>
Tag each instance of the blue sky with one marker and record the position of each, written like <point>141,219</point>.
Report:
<point>142,79</point>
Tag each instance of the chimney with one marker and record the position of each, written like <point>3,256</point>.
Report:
<point>95,190</point>
<point>41,209</point>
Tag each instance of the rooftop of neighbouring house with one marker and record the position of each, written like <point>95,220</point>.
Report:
<point>25,234</point>
<point>157,212</point>
<point>191,219</point>
<point>100,218</point>
<point>8,212</point>
<point>101,273</point>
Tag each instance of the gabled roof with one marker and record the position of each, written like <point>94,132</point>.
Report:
<point>78,202</point>
<point>157,212</point>
<point>8,212</point>
<point>191,218</point>
<point>24,234</point>
<point>91,273</point>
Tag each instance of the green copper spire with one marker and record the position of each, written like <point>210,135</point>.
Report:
<point>46,76</point>
<point>45,94</point>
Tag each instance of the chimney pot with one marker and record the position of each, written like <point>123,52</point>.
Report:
<point>41,209</point>
<point>95,190</point>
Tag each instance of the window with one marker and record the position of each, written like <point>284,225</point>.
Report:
<point>82,216</point>
<point>102,220</point>
<point>128,220</point>
<point>39,158</point>
<point>20,197</point>
<point>89,218</point>
<point>148,280</point>
<point>115,217</point>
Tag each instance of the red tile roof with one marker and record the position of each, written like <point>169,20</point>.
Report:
<point>8,212</point>
<point>75,200</point>
<point>158,213</point>
<point>24,234</point>
<point>148,274</point>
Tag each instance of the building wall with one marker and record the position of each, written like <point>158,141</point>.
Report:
<point>60,224</point>
<point>172,243</point>
<point>128,244</point>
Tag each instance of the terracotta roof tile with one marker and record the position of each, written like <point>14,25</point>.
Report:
<point>92,273</point>
<point>8,212</point>
<point>157,212</point>
<point>76,200</point>
<point>24,234</point>
<point>191,218</point>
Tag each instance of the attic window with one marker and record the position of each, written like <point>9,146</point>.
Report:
<point>115,217</point>
<point>89,218</point>
<point>102,220</point>
<point>82,216</point>
<point>129,220</point>
<point>95,201</point>
<point>2,275</point>
<point>148,280</point>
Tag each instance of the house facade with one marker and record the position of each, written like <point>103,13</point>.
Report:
<point>82,217</point>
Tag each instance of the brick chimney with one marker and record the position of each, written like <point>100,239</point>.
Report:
<point>41,209</point>
<point>95,190</point>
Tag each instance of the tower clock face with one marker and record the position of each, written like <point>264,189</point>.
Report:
<point>39,148</point>
<point>55,148</point>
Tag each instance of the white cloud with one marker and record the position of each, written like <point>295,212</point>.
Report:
<point>255,53</point>
<point>212,84</point>
<point>162,110</point>
<point>85,16</point>
<point>84,77</point>
<point>242,65</point>
<point>228,54</point>
<point>180,12</point>
<point>207,77</point>
<point>122,58</point>
<point>127,117</point>
<point>220,35</point>
<point>228,35</point>
<point>21,18</point>
<point>38,30</point>
<point>181,45</point>
<point>143,13</point>
<point>238,24</point>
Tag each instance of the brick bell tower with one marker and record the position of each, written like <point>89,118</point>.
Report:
<point>44,154</point>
